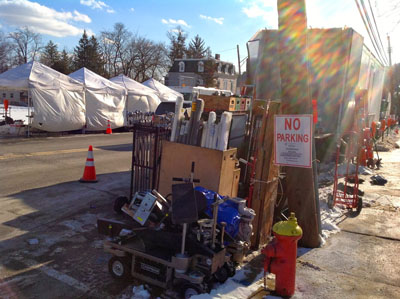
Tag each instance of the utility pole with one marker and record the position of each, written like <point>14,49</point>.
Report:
<point>238,54</point>
<point>296,100</point>
<point>389,51</point>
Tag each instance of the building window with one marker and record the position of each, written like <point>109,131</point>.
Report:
<point>181,67</point>
<point>200,67</point>
<point>11,95</point>
<point>4,95</point>
<point>227,69</point>
<point>233,70</point>
<point>219,67</point>
<point>225,85</point>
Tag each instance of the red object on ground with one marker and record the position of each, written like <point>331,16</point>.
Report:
<point>373,129</point>
<point>280,259</point>
<point>383,125</point>
<point>89,174</point>
<point>367,133</point>
<point>5,102</point>
<point>315,111</point>
<point>108,131</point>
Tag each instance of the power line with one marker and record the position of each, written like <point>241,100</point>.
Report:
<point>373,31</point>
<point>377,30</point>
<point>369,33</point>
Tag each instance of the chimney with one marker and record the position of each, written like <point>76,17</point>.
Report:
<point>217,56</point>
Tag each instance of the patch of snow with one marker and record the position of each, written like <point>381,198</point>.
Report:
<point>33,241</point>
<point>139,292</point>
<point>18,113</point>
<point>82,223</point>
<point>233,288</point>
<point>329,217</point>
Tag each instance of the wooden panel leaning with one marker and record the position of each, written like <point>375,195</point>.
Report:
<point>265,180</point>
<point>216,169</point>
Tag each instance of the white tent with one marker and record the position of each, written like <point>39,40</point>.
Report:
<point>165,93</point>
<point>140,97</point>
<point>58,100</point>
<point>105,100</point>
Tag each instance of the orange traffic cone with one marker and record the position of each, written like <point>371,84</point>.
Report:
<point>108,131</point>
<point>89,174</point>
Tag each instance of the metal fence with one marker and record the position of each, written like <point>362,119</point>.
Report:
<point>146,156</point>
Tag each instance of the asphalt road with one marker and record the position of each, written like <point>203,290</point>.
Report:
<point>39,162</point>
<point>42,200</point>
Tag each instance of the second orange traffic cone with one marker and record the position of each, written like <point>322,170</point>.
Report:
<point>108,131</point>
<point>89,174</point>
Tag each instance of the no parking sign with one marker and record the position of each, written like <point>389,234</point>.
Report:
<point>293,140</point>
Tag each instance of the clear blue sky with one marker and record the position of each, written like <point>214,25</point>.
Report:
<point>221,23</point>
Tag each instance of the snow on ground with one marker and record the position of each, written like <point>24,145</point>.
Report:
<point>18,113</point>
<point>235,287</point>
<point>329,217</point>
<point>139,292</point>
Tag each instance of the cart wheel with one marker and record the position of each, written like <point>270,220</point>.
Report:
<point>119,267</point>
<point>330,201</point>
<point>221,275</point>
<point>358,209</point>
<point>119,203</point>
<point>189,289</point>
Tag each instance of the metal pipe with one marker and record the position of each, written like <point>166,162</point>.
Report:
<point>183,238</point>
<point>223,224</point>
<point>215,214</point>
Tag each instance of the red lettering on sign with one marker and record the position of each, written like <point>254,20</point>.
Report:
<point>296,121</point>
<point>288,123</point>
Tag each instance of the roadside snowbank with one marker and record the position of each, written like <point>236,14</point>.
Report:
<point>18,113</point>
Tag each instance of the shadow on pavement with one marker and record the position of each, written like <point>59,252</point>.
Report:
<point>49,243</point>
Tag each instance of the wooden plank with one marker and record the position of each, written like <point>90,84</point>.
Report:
<point>265,186</point>
<point>235,183</point>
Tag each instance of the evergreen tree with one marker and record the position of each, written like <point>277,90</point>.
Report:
<point>210,67</point>
<point>96,63</point>
<point>177,48</point>
<point>64,64</point>
<point>197,48</point>
<point>81,52</point>
<point>50,55</point>
<point>87,54</point>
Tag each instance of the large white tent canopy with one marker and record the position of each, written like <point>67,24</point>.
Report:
<point>105,100</point>
<point>165,93</point>
<point>58,100</point>
<point>140,97</point>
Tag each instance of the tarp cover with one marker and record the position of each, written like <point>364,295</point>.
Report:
<point>105,100</point>
<point>140,97</point>
<point>165,93</point>
<point>58,100</point>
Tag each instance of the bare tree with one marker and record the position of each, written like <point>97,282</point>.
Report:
<point>132,55</point>
<point>115,47</point>
<point>152,60</point>
<point>177,47</point>
<point>26,43</point>
<point>4,53</point>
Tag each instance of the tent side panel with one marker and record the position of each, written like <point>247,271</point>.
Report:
<point>103,107</point>
<point>57,110</point>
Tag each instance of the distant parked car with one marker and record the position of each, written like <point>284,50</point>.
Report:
<point>167,107</point>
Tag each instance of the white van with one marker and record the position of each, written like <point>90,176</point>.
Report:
<point>188,90</point>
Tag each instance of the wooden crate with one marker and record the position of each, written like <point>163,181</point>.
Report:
<point>218,103</point>
<point>216,169</point>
